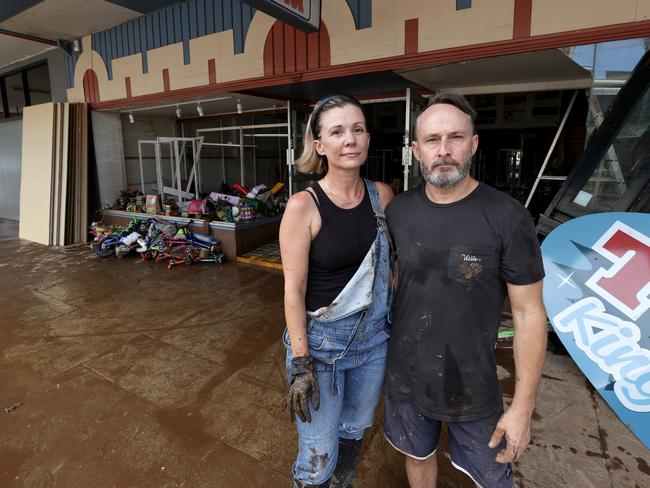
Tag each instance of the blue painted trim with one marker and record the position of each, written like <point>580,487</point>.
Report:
<point>155,24</point>
<point>181,23</point>
<point>209,17</point>
<point>70,63</point>
<point>143,44</point>
<point>178,29</point>
<point>227,13</point>
<point>237,26</point>
<point>218,17</point>
<point>200,18</point>
<point>194,30</point>
<point>162,26</point>
<point>185,32</point>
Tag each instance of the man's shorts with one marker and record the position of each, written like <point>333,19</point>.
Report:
<point>416,435</point>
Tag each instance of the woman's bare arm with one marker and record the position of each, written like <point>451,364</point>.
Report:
<point>296,232</point>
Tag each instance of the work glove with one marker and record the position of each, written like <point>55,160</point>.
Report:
<point>303,389</point>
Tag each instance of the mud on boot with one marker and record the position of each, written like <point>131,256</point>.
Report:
<point>346,464</point>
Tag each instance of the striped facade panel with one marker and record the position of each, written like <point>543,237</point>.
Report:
<point>289,50</point>
<point>362,12</point>
<point>70,63</point>
<point>177,23</point>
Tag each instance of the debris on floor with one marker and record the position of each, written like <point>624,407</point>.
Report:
<point>14,407</point>
<point>156,239</point>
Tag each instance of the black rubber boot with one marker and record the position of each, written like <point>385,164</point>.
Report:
<point>346,464</point>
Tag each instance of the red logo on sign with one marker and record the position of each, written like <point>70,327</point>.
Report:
<point>626,284</point>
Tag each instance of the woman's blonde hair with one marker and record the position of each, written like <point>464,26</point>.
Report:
<point>310,161</point>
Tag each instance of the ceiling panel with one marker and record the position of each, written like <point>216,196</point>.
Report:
<point>68,19</point>
<point>13,49</point>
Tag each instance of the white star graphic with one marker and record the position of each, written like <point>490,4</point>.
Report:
<point>566,280</point>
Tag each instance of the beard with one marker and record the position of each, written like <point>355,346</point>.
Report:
<point>446,178</point>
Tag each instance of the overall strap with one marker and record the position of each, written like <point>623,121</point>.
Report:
<point>374,199</point>
<point>376,208</point>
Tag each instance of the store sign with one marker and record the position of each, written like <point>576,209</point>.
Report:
<point>301,14</point>
<point>597,294</point>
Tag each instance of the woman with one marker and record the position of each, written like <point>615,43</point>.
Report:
<point>335,256</point>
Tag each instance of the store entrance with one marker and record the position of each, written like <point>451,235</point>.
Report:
<point>519,132</point>
<point>385,121</point>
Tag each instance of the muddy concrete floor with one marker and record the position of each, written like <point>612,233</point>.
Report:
<point>122,373</point>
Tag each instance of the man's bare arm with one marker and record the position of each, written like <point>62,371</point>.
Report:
<point>529,349</point>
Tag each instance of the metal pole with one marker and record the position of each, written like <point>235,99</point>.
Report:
<point>406,150</point>
<point>196,154</point>
<point>550,151</point>
<point>255,182</point>
<point>177,163</point>
<point>141,171</point>
<point>223,156</point>
<point>241,156</point>
<point>159,170</point>
<point>289,149</point>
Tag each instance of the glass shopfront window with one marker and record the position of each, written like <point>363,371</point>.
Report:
<point>29,86</point>
<point>625,161</point>
<point>612,64</point>
<point>15,95</point>
<point>38,81</point>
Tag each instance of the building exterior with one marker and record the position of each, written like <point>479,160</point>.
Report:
<point>539,73</point>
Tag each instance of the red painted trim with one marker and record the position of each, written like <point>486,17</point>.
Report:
<point>522,18</point>
<point>312,51</point>
<point>411,36</point>
<point>301,51</point>
<point>165,75</point>
<point>127,83</point>
<point>268,54</point>
<point>91,87</point>
<point>325,56</point>
<point>289,49</point>
<point>278,48</point>
<point>477,51</point>
<point>212,71</point>
<point>27,37</point>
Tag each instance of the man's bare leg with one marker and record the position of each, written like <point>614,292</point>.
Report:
<point>422,473</point>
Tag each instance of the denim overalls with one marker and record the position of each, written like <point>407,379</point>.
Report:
<point>347,339</point>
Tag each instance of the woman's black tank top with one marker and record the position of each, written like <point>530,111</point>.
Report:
<point>344,239</point>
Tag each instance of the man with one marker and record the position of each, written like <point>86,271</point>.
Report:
<point>460,246</point>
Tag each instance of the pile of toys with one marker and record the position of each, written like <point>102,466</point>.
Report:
<point>155,239</point>
<point>229,204</point>
<point>239,204</point>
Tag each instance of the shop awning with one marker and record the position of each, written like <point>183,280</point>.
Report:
<point>534,71</point>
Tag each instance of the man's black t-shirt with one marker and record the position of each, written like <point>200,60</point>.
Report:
<point>454,261</point>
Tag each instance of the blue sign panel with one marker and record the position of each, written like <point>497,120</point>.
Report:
<point>597,295</point>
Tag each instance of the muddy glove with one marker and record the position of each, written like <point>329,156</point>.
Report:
<point>303,388</point>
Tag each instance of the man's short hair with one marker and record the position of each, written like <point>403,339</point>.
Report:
<point>455,99</point>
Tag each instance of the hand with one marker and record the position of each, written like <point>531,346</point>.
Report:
<point>515,425</point>
<point>303,389</point>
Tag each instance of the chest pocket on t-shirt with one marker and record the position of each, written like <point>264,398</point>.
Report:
<point>469,266</point>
